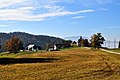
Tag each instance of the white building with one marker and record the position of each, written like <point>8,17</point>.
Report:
<point>32,47</point>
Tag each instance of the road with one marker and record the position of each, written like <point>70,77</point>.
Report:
<point>105,50</point>
<point>110,51</point>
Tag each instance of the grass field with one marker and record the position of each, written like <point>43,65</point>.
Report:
<point>115,50</point>
<point>68,64</point>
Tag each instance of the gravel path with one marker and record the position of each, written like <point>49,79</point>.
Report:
<point>110,51</point>
<point>104,50</point>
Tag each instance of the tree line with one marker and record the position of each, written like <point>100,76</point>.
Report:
<point>96,41</point>
<point>15,44</point>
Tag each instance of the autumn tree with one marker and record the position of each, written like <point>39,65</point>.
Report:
<point>83,42</point>
<point>97,40</point>
<point>13,45</point>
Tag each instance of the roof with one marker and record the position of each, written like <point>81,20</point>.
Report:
<point>31,45</point>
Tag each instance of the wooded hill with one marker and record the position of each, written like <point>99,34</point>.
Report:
<point>39,40</point>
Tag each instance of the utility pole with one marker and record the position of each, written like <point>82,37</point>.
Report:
<point>109,44</point>
<point>105,44</point>
<point>114,43</point>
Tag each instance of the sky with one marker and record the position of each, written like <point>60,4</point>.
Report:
<point>61,18</point>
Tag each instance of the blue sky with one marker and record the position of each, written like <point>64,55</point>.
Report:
<point>61,18</point>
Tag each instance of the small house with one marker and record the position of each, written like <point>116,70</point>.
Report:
<point>51,47</point>
<point>33,47</point>
<point>74,43</point>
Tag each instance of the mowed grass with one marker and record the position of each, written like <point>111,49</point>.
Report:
<point>69,64</point>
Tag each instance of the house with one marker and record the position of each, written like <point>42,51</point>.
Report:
<point>51,47</point>
<point>33,47</point>
<point>74,43</point>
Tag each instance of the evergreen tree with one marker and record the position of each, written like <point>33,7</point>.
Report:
<point>79,41</point>
<point>67,43</point>
<point>119,45</point>
<point>86,43</point>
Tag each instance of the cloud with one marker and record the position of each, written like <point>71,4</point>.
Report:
<point>7,3</point>
<point>74,22</point>
<point>52,8</point>
<point>29,10</point>
<point>79,17</point>
<point>25,14</point>
<point>57,14</point>
<point>3,25</point>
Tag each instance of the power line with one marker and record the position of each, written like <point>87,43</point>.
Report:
<point>111,44</point>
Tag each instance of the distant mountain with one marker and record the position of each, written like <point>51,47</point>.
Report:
<point>40,40</point>
<point>74,38</point>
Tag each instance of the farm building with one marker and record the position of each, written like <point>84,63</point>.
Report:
<point>53,47</point>
<point>33,47</point>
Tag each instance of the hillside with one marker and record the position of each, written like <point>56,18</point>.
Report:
<point>68,64</point>
<point>40,40</point>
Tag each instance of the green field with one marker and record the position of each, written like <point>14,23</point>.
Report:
<point>67,64</point>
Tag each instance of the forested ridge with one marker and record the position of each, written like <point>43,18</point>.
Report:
<point>26,38</point>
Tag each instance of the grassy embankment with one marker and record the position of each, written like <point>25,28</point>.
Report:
<point>68,64</point>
